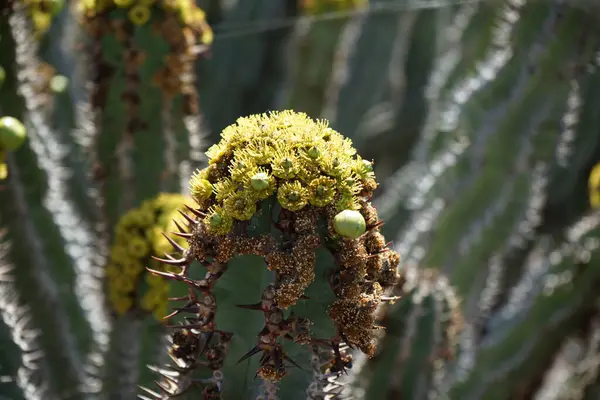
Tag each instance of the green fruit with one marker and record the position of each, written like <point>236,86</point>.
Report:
<point>12,133</point>
<point>59,83</point>
<point>260,181</point>
<point>350,224</point>
<point>215,220</point>
<point>313,152</point>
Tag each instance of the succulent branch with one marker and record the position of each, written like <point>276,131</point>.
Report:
<point>278,186</point>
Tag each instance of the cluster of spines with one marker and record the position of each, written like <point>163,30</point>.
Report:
<point>138,236</point>
<point>365,266</point>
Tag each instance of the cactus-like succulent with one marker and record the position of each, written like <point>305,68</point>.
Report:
<point>284,186</point>
<point>481,117</point>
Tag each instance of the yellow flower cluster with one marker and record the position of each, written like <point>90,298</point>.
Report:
<point>138,236</point>
<point>140,12</point>
<point>42,12</point>
<point>287,154</point>
<point>594,186</point>
<point>315,7</point>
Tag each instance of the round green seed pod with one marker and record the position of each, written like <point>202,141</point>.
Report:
<point>59,84</point>
<point>260,181</point>
<point>12,133</point>
<point>350,224</point>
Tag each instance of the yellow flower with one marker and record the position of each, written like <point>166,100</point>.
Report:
<point>139,14</point>
<point>138,247</point>
<point>285,165</point>
<point>119,254</point>
<point>225,188</point>
<point>124,284</point>
<point>347,202</point>
<point>217,152</point>
<point>321,191</point>
<point>241,205</point>
<point>217,221</point>
<point>261,184</point>
<point>200,188</point>
<point>241,168</point>
<point>292,196</point>
<point>132,268</point>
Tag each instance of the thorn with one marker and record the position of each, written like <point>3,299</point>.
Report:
<point>182,235</point>
<point>189,219</point>
<point>181,229</point>
<point>182,262</point>
<point>178,298</point>
<point>173,243</point>
<point>292,361</point>
<point>255,306</point>
<point>200,284</point>
<point>197,213</point>
<point>163,387</point>
<point>305,297</point>
<point>390,298</point>
<point>187,326</point>
<point>376,225</point>
<point>249,354</point>
<point>150,392</point>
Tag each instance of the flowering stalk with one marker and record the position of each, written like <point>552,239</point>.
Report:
<point>284,188</point>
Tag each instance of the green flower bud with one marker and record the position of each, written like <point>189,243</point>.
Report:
<point>12,133</point>
<point>349,223</point>
<point>260,181</point>
<point>215,220</point>
<point>313,152</point>
<point>367,165</point>
<point>218,222</point>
